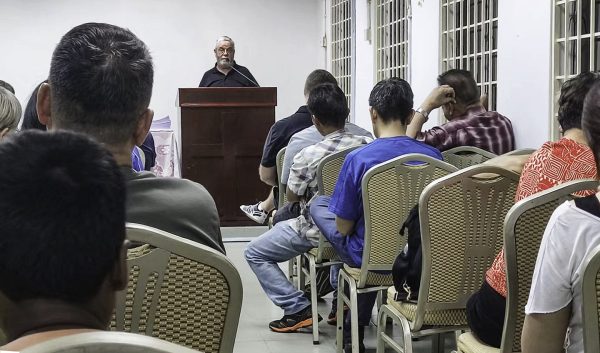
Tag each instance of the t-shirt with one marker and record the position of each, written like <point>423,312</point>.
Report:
<point>281,132</point>
<point>570,236</point>
<point>178,206</point>
<point>307,137</point>
<point>553,164</point>
<point>346,201</point>
<point>215,78</point>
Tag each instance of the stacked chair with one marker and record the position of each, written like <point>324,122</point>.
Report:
<point>389,192</point>
<point>466,156</point>
<point>591,301</point>
<point>461,218</point>
<point>107,342</point>
<point>323,255</point>
<point>524,227</point>
<point>179,291</point>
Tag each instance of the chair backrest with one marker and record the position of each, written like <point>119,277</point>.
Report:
<point>462,218</point>
<point>591,301</point>
<point>107,342</point>
<point>179,291</point>
<point>520,152</point>
<point>282,197</point>
<point>389,191</point>
<point>523,230</point>
<point>466,156</point>
<point>329,170</point>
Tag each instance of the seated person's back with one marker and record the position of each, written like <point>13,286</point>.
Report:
<point>100,84</point>
<point>62,253</point>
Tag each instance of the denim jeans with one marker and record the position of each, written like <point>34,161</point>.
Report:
<point>279,244</point>
<point>325,220</point>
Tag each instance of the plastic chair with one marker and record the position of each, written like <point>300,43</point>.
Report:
<point>524,227</point>
<point>323,255</point>
<point>282,199</point>
<point>466,156</point>
<point>107,342</point>
<point>591,301</point>
<point>389,191</point>
<point>462,218</point>
<point>179,291</point>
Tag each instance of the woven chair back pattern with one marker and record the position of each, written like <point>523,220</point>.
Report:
<point>463,157</point>
<point>331,171</point>
<point>465,223</point>
<point>173,298</point>
<point>391,194</point>
<point>280,158</point>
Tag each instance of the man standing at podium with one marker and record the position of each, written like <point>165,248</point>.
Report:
<point>226,72</point>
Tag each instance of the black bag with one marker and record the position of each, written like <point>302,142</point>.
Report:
<point>288,211</point>
<point>406,271</point>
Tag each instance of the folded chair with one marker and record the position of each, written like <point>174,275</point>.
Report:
<point>461,217</point>
<point>389,191</point>
<point>107,342</point>
<point>466,156</point>
<point>524,227</point>
<point>591,301</point>
<point>323,255</point>
<point>179,291</point>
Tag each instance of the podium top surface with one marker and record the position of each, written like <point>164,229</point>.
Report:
<point>227,97</point>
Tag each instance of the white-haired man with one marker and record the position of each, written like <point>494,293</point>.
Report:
<point>227,73</point>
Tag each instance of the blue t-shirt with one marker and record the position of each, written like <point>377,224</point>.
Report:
<point>346,201</point>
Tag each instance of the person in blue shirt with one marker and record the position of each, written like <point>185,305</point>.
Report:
<point>340,217</point>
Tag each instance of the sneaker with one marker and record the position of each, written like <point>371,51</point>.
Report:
<point>332,317</point>
<point>293,322</point>
<point>254,213</point>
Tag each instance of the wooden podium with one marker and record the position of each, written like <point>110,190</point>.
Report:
<point>223,131</point>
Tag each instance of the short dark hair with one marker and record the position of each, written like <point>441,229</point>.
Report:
<point>101,81</point>
<point>392,99</point>
<point>328,103</point>
<point>8,86</point>
<point>590,121</point>
<point>30,115</point>
<point>316,78</point>
<point>63,216</point>
<point>570,102</point>
<point>465,88</point>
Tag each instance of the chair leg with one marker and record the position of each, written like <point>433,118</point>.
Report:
<point>341,299</point>
<point>384,339</point>
<point>291,269</point>
<point>300,271</point>
<point>313,298</point>
<point>354,316</point>
<point>437,343</point>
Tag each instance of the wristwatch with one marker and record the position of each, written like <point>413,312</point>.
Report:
<point>423,112</point>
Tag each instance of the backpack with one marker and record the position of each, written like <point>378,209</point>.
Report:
<point>406,271</point>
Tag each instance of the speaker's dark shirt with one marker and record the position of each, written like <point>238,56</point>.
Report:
<point>215,78</point>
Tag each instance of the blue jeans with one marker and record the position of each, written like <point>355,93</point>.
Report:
<point>279,244</point>
<point>325,220</point>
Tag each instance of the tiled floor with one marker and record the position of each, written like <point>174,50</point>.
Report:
<point>254,335</point>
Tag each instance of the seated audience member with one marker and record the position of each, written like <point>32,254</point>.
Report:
<point>469,123</point>
<point>553,318</point>
<point>340,218</point>
<point>569,158</point>
<point>30,115</point>
<point>278,137</point>
<point>100,84</point>
<point>62,257</point>
<point>10,112</point>
<point>288,239</point>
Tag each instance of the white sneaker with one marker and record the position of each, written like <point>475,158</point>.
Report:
<point>254,213</point>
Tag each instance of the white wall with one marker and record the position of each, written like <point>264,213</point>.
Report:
<point>524,59</point>
<point>278,40</point>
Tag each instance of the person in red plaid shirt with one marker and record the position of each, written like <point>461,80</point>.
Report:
<point>469,123</point>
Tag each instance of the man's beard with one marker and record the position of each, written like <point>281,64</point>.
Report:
<point>225,63</point>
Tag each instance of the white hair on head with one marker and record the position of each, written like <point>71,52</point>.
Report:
<point>10,110</point>
<point>225,39</point>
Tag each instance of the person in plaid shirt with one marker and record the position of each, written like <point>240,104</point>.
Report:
<point>288,239</point>
<point>469,123</point>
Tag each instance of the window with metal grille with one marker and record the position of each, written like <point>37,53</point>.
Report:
<point>576,41</point>
<point>469,40</point>
<point>392,39</point>
<point>341,45</point>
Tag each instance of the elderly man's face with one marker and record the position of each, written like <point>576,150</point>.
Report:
<point>224,53</point>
